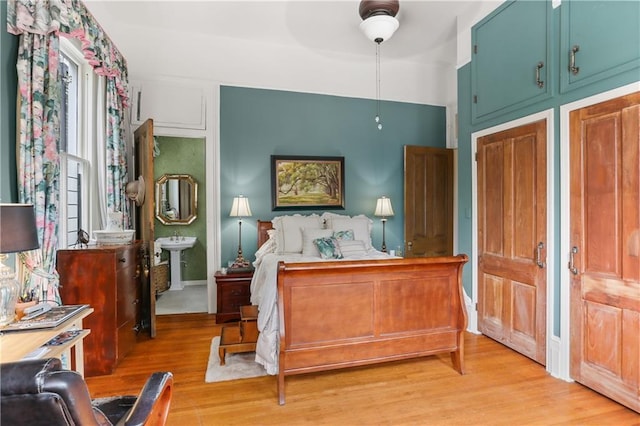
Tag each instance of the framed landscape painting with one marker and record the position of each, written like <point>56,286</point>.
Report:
<point>307,182</point>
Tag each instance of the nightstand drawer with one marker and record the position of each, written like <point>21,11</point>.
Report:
<point>233,291</point>
<point>236,290</point>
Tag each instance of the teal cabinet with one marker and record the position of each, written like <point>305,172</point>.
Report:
<point>512,62</point>
<point>599,39</point>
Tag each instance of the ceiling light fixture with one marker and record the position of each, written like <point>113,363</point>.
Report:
<point>378,24</point>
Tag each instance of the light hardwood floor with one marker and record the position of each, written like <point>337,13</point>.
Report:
<point>501,387</point>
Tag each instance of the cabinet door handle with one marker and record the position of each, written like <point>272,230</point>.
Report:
<point>539,82</point>
<point>571,264</point>
<point>572,60</point>
<point>539,260</point>
<point>122,260</point>
<point>138,105</point>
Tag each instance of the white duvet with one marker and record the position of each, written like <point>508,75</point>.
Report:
<point>264,293</point>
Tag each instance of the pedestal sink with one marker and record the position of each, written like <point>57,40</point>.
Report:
<point>175,245</point>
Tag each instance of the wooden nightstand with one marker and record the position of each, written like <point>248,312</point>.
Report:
<point>234,290</point>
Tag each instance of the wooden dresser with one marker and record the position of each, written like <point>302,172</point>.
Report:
<point>234,290</point>
<point>108,279</point>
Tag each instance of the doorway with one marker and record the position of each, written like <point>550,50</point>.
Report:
<point>179,158</point>
<point>428,201</point>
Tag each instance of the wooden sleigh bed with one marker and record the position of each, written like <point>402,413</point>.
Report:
<point>350,313</point>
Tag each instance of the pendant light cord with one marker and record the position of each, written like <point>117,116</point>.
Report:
<point>378,120</point>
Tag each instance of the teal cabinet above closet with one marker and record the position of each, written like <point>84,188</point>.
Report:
<point>598,40</point>
<point>512,62</point>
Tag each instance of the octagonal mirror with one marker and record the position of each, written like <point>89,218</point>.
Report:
<point>176,199</point>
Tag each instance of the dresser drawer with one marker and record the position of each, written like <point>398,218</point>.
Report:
<point>126,256</point>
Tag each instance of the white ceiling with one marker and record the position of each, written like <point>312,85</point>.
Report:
<point>311,46</point>
<point>426,35</point>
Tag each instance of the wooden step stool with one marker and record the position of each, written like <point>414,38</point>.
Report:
<point>241,337</point>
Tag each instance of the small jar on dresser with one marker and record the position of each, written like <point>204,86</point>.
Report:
<point>233,291</point>
<point>108,279</point>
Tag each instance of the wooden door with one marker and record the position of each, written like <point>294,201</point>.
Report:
<point>143,149</point>
<point>605,241</point>
<point>428,201</point>
<point>512,211</point>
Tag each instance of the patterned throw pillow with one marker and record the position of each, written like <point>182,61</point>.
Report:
<point>346,235</point>
<point>328,248</point>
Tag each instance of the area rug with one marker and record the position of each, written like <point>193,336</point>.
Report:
<point>237,366</point>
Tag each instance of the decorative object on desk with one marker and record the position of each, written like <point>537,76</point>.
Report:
<point>136,191</point>
<point>307,182</point>
<point>384,209</point>
<point>240,208</point>
<point>18,233</point>
<point>378,24</point>
<point>21,306</point>
<point>237,365</point>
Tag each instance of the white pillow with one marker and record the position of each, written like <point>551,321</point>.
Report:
<point>289,231</point>
<point>308,235</point>
<point>360,224</point>
<point>353,248</point>
<point>328,216</point>
<point>268,247</point>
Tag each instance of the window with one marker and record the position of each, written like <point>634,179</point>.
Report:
<point>76,76</point>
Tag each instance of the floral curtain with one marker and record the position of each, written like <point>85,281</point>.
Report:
<point>39,24</point>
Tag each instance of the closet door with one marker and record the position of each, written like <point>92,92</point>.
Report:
<point>605,254</point>
<point>512,212</point>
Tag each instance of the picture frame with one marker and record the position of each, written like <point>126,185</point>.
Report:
<point>307,182</point>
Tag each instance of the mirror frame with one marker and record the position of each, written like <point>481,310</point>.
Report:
<point>194,199</point>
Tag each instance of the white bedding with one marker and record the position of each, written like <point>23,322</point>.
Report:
<point>264,293</point>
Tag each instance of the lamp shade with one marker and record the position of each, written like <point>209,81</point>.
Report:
<point>379,28</point>
<point>383,207</point>
<point>18,231</point>
<point>240,207</point>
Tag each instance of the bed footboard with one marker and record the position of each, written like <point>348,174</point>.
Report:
<point>344,314</point>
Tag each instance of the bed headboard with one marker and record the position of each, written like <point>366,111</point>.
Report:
<point>263,227</point>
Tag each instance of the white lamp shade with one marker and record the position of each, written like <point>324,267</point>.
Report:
<point>383,207</point>
<point>379,27</point>
<point>240,207</point>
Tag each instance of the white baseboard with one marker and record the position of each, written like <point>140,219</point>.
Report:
<point>194,282</point>
<point>472,315</point>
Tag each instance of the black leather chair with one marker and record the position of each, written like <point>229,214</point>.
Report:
<point>40,392</point>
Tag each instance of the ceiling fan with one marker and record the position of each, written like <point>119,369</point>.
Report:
<point>379,19</point>
<point>378,24</point>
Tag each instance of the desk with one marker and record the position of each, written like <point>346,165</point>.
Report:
<point>14,345</point>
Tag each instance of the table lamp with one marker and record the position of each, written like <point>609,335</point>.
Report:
<point>18,232</point>
<point>384,209</point>
<point>240,208</point>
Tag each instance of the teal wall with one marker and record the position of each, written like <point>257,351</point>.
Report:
<point>465,130</point>
<point>180,155</point>
<point>8,91</point>
<point>258,123</point>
